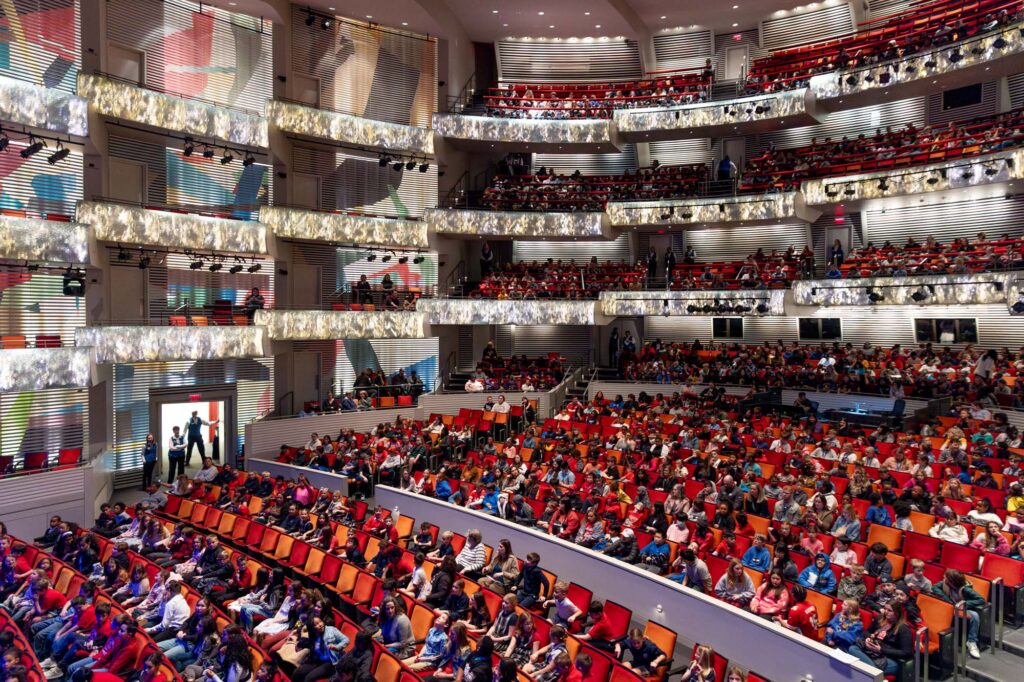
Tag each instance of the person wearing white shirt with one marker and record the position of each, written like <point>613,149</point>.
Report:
<point>313,443</point>
<point>951,530</point>
<point>527,386</point>
<point>780,445</point>
<point>207,473</point>
<point>827,361</point>
<point>501,407</point>
<point>174,612</point>
<point>474,385</point>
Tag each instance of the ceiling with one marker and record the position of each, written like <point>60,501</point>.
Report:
<point>492,20</point>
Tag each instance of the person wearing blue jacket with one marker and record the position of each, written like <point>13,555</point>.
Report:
<point>819,576</point>
<point>846,627</point>
<point>877,513</point>
<point>442,489</point>
<point>757,555</point>
<point>654,557</point>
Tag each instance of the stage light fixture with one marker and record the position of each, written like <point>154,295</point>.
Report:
<point>874,296</point>
<point>762,308</point>
<point>919,296</point>
<point>1018,307</point>
<point>691,308</point>
<point>122,254</point>
<point>999,43</point>
<point>932,179</point>
<point>59,155</point>
<point>310,18</point>
<point>410,165</point>
<point>34,147</point>
<point>424,167</point>
<point>687,215</point>
<point>235,269</point>
<point>956,55</point>
<point>831,191</point>
<point>326,22</point>
<point>215,267</point>
<point>372,257</point>
<point>254,268</point>
<point>208,152</point>
<point>4,141</point>
<point>851,80</point>
<point>189,147</point>
<point>144,262</point>
<point>883,184</point>
<point>386,259</point>
<point>417,260</point>
<point>383,161</point>
<point>398,165</point>
<point>849,191</point>
<point>227,158</point>
<point>74,282</point>
<point>249,160</point>
<point>196,265</point>
<point>403,260</point>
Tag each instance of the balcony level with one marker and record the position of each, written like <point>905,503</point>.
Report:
<point>302,120</point>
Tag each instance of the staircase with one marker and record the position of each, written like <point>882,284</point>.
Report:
<point>1000,665</point>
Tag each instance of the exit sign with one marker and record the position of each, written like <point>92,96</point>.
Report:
<point>195,397</point>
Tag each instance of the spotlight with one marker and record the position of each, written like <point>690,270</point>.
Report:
<point>687,215</point>
<point>932,179</point>
<point>999,43</point>
<point>956,55</point>
<point>677,114</point>
<point>441,263</point>
<point>874,296</point>
<point>59,155</point>
<point>417,260</point>
<point>740,308</point>
<point>750,110</point>
<point>325,23</point>
<point>254,268</point>
<point>249,160</point>
<point>196,265</point>
<point>372,257</point>
<point>967,174</point>
<point>869,78</point>
<point>883,184</point>
<point>74,283</point>
<point>851,80</point>
<point>990,171</point>
<point>122,254</point>
<point>831,191</point>
<point>721,208</point>
<point>762,308</point>
<point>215,267</point>
<point>691,309</point>
<point>411,165</point>
<point>33,148</point>
<point>814,291</point>
<point>930,63</point>
<point>208,152</point>
<point>849,191</point>
<point>919,296</point>
<point>1018,307</point>
<point>998,286</point>
<point>227,158</point>
<point>424,167</point>
<point>707,308</point>
<point>310,18</point>
<point>235,269</point>
<point>884,77</point>
<point>759,109</point>
<point>189,147</point>
<point>4,141</point>
<point>282,271</point>
<point>382,161</point>
<point>931,288</point>
<point>398,165</point>
<point>32,267</point>
<point>144,262</point>
<point>403,260</point>
<point>385,259</point>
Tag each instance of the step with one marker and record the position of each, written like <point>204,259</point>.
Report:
<point>1000,666</point>
<point>1013,640</point>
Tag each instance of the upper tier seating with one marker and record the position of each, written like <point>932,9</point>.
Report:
<point>558,279</point>
<point>959,257</point>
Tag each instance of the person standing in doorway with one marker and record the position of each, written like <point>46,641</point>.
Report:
<point>175,455</point>
<point>150,454</point>
<point>613,348</point>
<point>670,264</point>
<point>194,429</point>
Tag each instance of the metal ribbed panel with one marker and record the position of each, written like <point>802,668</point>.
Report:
<point>368,71</point>
<point>614,163</point>
<point>682,152</point>
<point>819,236</point>
<point>615,250</point>
<point>33,303</point>
<point>172,179</point>
<point>1016,86</point>
<point>195,50</point>
<point>986,107</point>
<point>643,243</point>
<point>686,50</point>
<point>807,27</point>
<point>254,379</point>
<point>564,62</point>
<point>355,180</point>
<point>464,355</point>
<point>503,340</point>
<point>946,221</point>
<point>851,123</point>
<point>341,361</point>
<point>340,268</point>
<point>43,421</point>
<point>732,243</point>
<point>37,188</point>
<point>39,42</point>
<point>572,342</point>
<point>883,8</point>
<point>750,38</point>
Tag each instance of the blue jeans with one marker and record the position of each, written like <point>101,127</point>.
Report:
<point>973,626</point>
<point>87,662</point>
<point>43,634</point>
<point>891,666</point>
<point>180,655</point>
<point>245,615</point>
<point>63,644</point>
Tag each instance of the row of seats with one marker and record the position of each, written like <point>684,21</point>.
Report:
<point>9,341</point>
<point>558,279</point>
<point>35,462</point>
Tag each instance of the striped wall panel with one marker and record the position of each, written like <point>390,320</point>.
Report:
<point>751,38</point>
<point>678,241</point>
<point>341,361</point>
<point>686,50</point>
<point>681,152</point>
<point>614,250</point>
<point>41,42</point>
<point>563,62</point>
<point>807,27</point>
<point>851,123</point>
<point>820,235</point>
<point>355,180</point>
<point>736,243</point>
<point>34,187</point>
<point>879,325</point>
<point>1015,84</point>
<point>195,50</point>
<point>614,163</point>
<point>33,303</point>
<point>253,378</point>
<point>365,70</point>
<point>945,221</point>
<point>883,8</point>
<point>43,421</point>
<point>572,342</point>
<point>986,107</point>
<point>172,179</point>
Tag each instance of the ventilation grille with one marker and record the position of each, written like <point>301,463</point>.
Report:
<point>615,163</point>
<point>683,50</point>
<point>1016,85</point>
<point>731,244</point>
<point>40,42</point>
<point>682,152</point>
<point>197,51</point>
<point>884,8</point>
<point>617,250</point>
<point>543,62</point>
<point>367,71</point>
<point>945,221</point>
<point>850,123</point>
<point>807,27</point>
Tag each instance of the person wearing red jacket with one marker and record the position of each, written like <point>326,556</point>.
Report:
<point>118,653</point>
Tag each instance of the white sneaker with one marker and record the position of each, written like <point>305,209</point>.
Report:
<point>972,650</point>
<point>48,663</point>
<point>53,673</point>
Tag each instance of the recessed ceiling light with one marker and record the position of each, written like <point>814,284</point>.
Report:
<point>540,13</point>
<point>551,26</point>
<point>494,11</point>
<point>405,23</point>
<point>369,16</point>
<point>734,24</point>
<point>586,14</point>
<point>664,17</point>
<point>735,6</point>
<point>505,25</point>
<point>331,8</point>
<point>597,25</point>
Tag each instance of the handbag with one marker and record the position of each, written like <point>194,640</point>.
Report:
<point>290,651</point>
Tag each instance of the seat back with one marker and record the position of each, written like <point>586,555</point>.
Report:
<point>937,615</point>
<point>887,535</point>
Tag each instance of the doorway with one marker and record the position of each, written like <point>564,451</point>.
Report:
<point>170,407</point>
<point>735,63</point>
